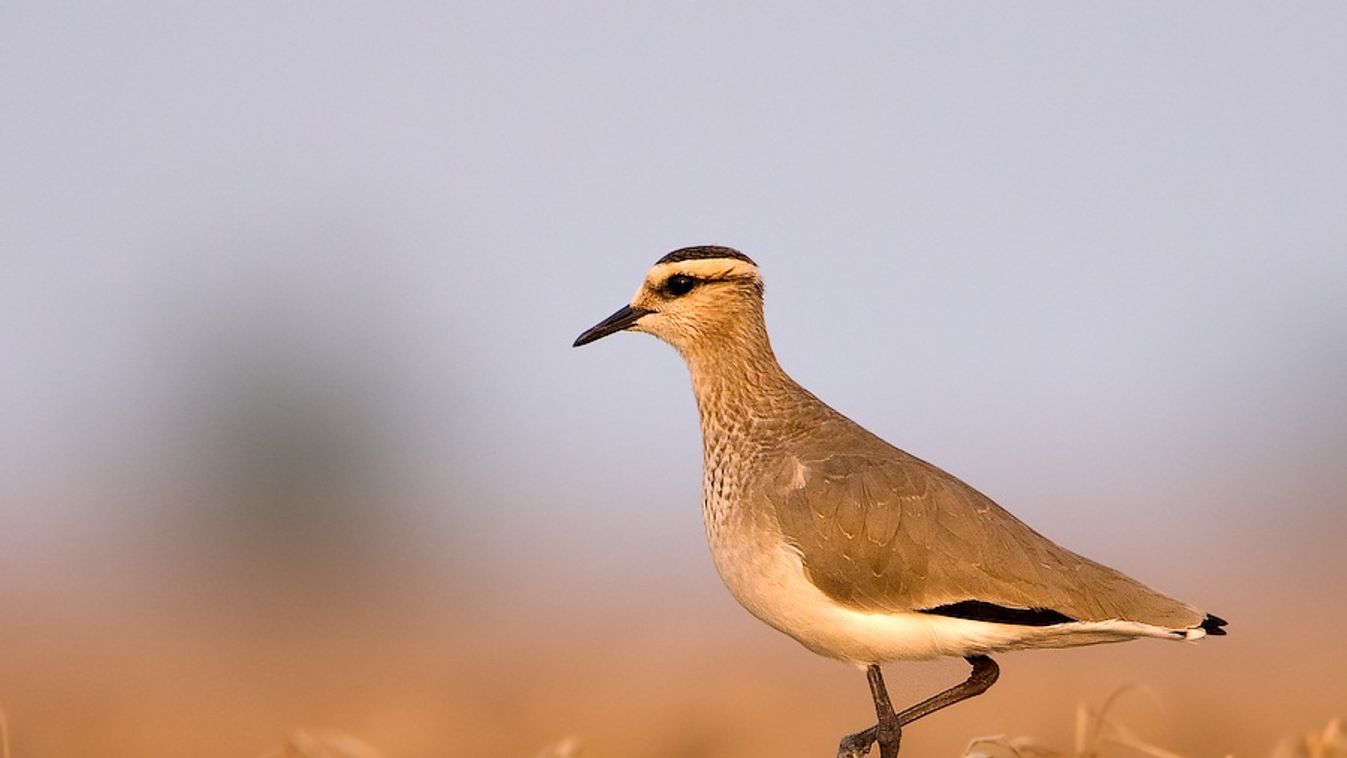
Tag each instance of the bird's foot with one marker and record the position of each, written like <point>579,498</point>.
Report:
<point>888,733</point>
<point>857,745</point>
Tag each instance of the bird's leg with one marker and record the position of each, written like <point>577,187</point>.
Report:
<point>984,674</point>
<point>888,731</point>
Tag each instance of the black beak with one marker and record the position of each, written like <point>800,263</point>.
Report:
<point>625,318</point>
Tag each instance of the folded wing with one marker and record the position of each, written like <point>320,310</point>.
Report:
<point>881,530</point>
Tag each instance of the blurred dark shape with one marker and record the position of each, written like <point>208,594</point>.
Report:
<point>293,411</point>
<point>294,452</point>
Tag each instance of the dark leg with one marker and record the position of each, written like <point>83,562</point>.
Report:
<point>984,674</point>
<point>888,732</point>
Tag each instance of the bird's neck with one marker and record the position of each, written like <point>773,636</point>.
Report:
<point>743,395</point>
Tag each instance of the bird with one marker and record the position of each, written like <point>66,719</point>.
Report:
<point>858,550</point>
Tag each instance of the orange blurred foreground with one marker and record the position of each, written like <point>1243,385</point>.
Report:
<point>410,679</point>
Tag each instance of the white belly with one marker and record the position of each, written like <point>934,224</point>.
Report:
<point>767,577</point>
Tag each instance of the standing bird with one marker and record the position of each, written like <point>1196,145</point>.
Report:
<point>858,550</point>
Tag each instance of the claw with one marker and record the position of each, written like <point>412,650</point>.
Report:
<point>857,745</point>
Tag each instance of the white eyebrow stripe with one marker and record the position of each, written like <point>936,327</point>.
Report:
<point>705,268</point>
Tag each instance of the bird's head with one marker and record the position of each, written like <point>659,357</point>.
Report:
<point>692,297</point>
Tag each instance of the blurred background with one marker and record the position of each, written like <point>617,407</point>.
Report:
<point>292,435</point>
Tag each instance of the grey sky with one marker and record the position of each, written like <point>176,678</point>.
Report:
<point>1091,257</point>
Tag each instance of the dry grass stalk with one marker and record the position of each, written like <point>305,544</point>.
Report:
<point>1020,747</point>
<point>4,735</point>
<point>1094,731</point>
<point>1330,742</point>
<point>566,748</point>
<point>322,744</point>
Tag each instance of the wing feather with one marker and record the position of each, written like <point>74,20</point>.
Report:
<point>881,530</point>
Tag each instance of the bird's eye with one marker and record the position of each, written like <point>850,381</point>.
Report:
<point>678,284</point>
